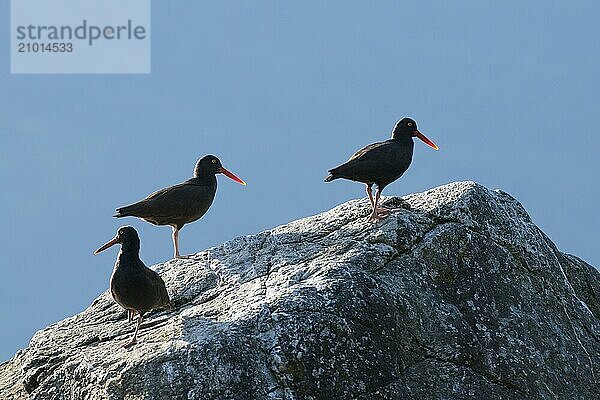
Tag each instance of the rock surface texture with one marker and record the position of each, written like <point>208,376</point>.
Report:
<point>457,295</point>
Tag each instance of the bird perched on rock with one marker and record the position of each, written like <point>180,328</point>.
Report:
<point>134,286</point>
<point>183,203</point>
<point>382,163</point>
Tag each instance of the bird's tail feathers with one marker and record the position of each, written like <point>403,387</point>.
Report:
<point>119,213</point>
<point>331,177</point>
<point>128,211</point>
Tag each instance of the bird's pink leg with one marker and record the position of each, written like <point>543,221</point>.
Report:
<point>378,212</point>
<point>176,243</point>
<point>134,338</point>
<point>131,314</point>
<point>370,193</point>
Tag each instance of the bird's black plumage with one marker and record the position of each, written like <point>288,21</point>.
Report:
<point>135,287</point>
<point>182,203</point>
<point>381,163</point>
<point>376,164</point>
<point>176,205</point>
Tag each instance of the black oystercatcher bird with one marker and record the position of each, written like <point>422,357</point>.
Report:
<point>183,203</point>
<point>382,163</point>
<point>134,286</point>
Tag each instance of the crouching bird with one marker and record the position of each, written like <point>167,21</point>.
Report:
<point>134,286</point>
<point>183,203</point>
<point>381,163</point>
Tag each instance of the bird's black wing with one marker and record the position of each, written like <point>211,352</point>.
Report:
<point>368,163</point>
<point>179,201</point>
<point>371,150</point>
<point>158,288</point>
<point>140,288</point>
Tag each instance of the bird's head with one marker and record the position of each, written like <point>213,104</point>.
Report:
<point>407,127</point>
<point>126,236</point>
<point>211,165</point>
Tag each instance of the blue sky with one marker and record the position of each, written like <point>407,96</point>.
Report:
<point>282,91</point>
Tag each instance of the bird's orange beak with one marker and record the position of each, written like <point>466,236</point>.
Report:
<point>231,176</point>
<point>105,246</point>
<point>426,140</point>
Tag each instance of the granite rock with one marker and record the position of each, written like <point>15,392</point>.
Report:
<point>457,295</point>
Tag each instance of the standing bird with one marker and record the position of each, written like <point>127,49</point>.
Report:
<point>134,286</point>
<point>183,203</point>
<point>382,163</point>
